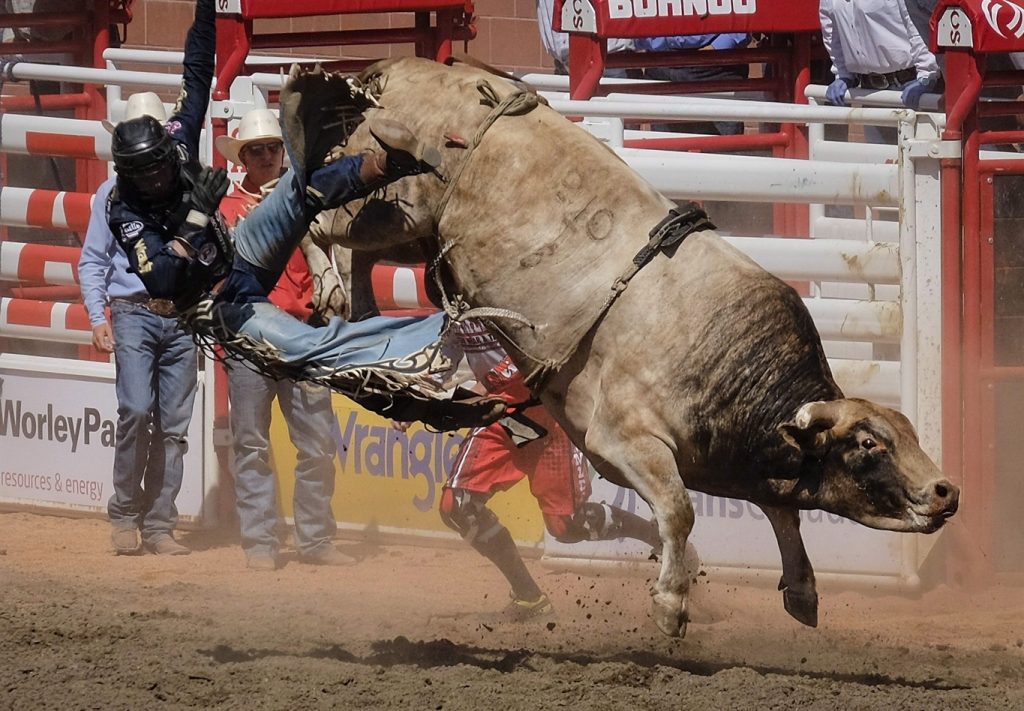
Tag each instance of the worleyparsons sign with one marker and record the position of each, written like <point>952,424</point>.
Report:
<point>57,436</point>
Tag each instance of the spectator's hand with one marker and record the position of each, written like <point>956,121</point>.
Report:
<point>400,426</point>
<point>211,185</point>
<point>835,94</point>
<point>912,93</point>
<point>103,338</point>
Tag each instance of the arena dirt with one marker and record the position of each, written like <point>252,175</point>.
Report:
<point>415,628</point>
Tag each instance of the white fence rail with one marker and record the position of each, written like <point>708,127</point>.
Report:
<point>890,268</point>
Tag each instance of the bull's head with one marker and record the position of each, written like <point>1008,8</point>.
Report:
<point>864,462</point>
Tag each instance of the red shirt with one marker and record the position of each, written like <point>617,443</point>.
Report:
<point>294,290</point>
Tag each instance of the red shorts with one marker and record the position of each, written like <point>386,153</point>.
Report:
<point>488,462</point>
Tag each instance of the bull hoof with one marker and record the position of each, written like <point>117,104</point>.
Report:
<point>802,606</point>
<point>671,619</point>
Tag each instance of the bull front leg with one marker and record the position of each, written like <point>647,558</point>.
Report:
<point>799,593</point>
<point>649,466</point>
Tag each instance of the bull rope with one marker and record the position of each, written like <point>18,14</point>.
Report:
<point>667,234</point>
<point>515,104</point>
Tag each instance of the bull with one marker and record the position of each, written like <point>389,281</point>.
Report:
<point>699,370</point>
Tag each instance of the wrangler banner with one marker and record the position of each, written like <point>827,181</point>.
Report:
<point>391,481</point>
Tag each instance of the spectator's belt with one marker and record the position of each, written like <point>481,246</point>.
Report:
<point>161,307</point>
<point>884,81</point>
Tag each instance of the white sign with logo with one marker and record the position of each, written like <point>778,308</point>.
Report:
<point>954,29</point>
<point>579,16</point>
<point>735,534</point>
<point>57,436</point>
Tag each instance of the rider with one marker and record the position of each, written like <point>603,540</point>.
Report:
<point>164,214</point>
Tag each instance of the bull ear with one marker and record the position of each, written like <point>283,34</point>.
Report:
<point>809,431</point>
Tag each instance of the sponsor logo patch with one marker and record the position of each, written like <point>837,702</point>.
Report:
<point>131,230</point>
<point>208,254</point>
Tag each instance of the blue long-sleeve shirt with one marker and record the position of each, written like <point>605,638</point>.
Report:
<point>103,266</point>
<point>728,40</point>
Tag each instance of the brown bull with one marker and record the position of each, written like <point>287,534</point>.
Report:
<point>706,372</point>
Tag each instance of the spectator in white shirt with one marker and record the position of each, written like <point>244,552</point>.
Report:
<point>873,44</point>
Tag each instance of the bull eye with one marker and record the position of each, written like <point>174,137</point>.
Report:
<point>869,444</point>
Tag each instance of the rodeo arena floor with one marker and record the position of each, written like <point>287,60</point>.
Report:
<point>870,234</point>
<point>415,628</point>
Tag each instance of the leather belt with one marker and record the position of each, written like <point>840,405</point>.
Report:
<point>884,81</point>
<point>161,307</point>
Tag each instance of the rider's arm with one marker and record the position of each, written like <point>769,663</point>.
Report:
<point>186,122</point>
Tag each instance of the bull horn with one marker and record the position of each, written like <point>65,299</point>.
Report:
<point>810,430</point>
<point>818,415</point>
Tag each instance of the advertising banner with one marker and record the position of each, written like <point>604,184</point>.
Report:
<point>657,18</point>
<point>57,436</point>
<point>735,534</point>
<point>392,480</point>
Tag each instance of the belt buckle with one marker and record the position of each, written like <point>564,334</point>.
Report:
<point>876,81</point>
<point>161,307</point>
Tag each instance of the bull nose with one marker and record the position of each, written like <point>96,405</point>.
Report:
<point>945,497</point>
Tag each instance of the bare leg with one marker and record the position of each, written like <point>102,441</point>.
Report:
<point>799,594</point>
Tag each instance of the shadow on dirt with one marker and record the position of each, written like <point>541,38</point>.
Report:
<point>445,653</point>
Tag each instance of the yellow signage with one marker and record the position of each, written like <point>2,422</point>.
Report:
<point>393,480</point>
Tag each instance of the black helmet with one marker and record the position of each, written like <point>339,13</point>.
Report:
<point>146,163</point>
<point>140,145</point>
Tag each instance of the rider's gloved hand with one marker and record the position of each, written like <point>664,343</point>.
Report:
<point>913,91</point>
<point>211,185</point>
<point>835,94</point>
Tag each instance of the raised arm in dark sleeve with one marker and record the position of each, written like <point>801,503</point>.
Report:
<point>186,122</point>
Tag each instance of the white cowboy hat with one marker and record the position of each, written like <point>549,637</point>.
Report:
<point>256,125</point>
<point>145,103</point>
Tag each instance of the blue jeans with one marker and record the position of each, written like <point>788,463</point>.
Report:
<point>268,236</point>
<point>339,344</point>
<point>264,242</point>
<point>307,410</point>
<point>156,385</point>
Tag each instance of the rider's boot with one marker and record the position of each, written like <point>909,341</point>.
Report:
<point>401,154</point>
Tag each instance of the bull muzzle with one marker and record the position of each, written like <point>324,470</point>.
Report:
<point>941,499</point>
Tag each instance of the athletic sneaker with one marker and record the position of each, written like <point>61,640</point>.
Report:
<point>525,610</point>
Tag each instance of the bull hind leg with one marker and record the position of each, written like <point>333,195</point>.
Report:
<point>799,593</point>
<point>648,465</point>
